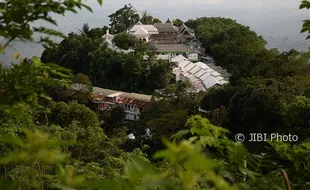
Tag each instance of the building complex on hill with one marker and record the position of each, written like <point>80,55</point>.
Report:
<point>179,46</point>
<point>167,39</point>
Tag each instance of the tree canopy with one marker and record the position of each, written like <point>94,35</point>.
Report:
<point>124,18</point>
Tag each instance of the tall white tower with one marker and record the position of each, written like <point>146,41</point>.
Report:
<point>107,35</point>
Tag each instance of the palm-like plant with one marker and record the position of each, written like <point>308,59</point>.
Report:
<point>85,30</point>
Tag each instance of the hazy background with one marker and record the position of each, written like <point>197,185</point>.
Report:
<point>279,21</point>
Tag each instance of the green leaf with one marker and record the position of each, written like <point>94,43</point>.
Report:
<point>303,5</point>
<point>100,2</point>
<point>180,134</point>
<point>304,29</point>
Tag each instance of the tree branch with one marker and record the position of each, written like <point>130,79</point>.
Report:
<point>287,182</point>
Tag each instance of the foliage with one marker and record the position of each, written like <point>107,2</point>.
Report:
<point>305,4</point>
<point>124,18</point>
<point>73,52</point>
<point>238,43</point>
<point>47,143</point>
<point>23,84</point>
<point>124,41</point>
<point>177,22</point>
<point>84,84</point>
<point>147,18</point>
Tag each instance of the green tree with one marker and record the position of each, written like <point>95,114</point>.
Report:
<point>83,82</point>
<point>124,41</point>
<point>64,114</point>
<point>73,53</point>
<point>24,83</point>
<point>238,43</point>
<point>297,118</point>
<point>124,18</point>
<point>85,30</point>
<point>156,20</point>
<point>177,22</point>
<point>209,30</point>
<point>146,18</point>
<point>97,33</point>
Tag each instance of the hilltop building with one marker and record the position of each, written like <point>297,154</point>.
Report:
<point>132,103</point>
<point>167,39</point>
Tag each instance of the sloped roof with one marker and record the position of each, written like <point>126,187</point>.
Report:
<point>141,32</point>
<point>168,21</point>
<point>210,81</point>
<point>189,66</point>
<point>195,69</point>
<point>195,42</point>
<point>184,29</point>
<point>183,63</point>
<point>166,27</point>
<point>149,28</point>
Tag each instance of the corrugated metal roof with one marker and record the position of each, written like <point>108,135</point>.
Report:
<point>195,69</point>
<point>189,66</point>
<point>203,77</point>
<point>210,81</point>
<point>215,74</point>
<point>184,63</point>
<point>200,73</point>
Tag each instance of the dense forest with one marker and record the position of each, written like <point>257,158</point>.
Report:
<point>52,137</point>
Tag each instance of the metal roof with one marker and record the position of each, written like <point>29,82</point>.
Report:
<point>200,75</point>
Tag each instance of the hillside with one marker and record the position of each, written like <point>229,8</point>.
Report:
<point>89,114</point>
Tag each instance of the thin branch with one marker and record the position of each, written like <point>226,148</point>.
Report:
<point>7,43</point>
<point>287,182</point>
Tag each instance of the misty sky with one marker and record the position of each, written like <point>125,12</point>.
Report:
<point>266,17</point>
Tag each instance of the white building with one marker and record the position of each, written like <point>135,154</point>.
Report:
<point>142,31</point>
<point>198,74</point>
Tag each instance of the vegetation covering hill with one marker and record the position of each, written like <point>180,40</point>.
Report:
<point>51,137</point>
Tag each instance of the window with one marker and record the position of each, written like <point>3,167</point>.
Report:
<point>135,117</point>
